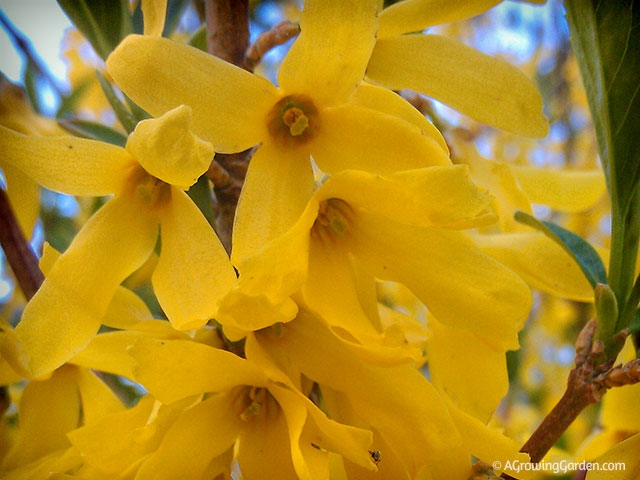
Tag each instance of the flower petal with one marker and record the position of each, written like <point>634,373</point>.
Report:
<point>328,59</point>
<point>541,262</point>
<point>564,190</point>
<point>434,196</point>
<point>460,285</point>
<point>623,454</point>
<point>24,196</point>
<point>462,365</point>
<point>49,409</point>
<point>389,102</point>
<point>98,399</point>
<point>487,89</point>
<point>71,165</point>
<point>426,436</point>
<point>175,369</point>
<point>68,308</point>
<point>166,148</point>
<point>194,271</point>
<point>278,186</point>
<point>154,13</point>
<point>358,138</point>
<point>416,15</point>
<point>229,104</point>
<point>199,434</point>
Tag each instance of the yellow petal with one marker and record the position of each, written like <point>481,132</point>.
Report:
<point>67,310</point>
<point>126,310</point>
<point>194,271</point>
<point>384,100</point>
<point>229,104</point>
<point>24,196</point>
<point>416,15</point>
<point>71,165</point>
<point>564,190</point>
<point>461,286</point>
<point>166,148</point>
<point>472,373</point>
<point>117,441</point>
<point>426,436</point>
<point>435,196</point>
<point>175,369</point>
<point>107,352</point>
<point>624,456</point>
<point>358,138</point>
<point>328,59</point>
<point>279,182</point>
<point>488,444</point>
<point>200,434</point>
<point>487,89</point>
<point>48,410</point>
<point>98,399</point>
<point>541,262</point>
<point>154,13</point>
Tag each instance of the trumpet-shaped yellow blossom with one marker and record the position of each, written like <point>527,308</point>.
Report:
<point>48,410</point>
<point>162,158</point>
<point>402,227</point>
<point>485,88</point>
<point>314,112</point>
<point>426,440</point>
<point>276,430</point>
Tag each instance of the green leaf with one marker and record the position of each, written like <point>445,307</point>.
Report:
<point>580,250</point>
<point>606,39</point>
<point>103,22</point>
<point>94,131</point>
<point>200,193</point>
<point>125,117</point>
<point>634,326</point>
<point>199,39</point>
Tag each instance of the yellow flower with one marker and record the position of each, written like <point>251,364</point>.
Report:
<point>403,227</point>
<point>47,411</point>
<point>487,89</point>
<point>220,401</point>
<point>317,110</point>
<point>425,442</point>
<point>161,159</point>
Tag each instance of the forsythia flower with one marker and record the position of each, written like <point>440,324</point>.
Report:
<point>161,159</point>
<point>402,227</point>
<point>317,111</point>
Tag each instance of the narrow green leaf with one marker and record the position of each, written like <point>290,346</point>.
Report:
<point>103,22</point>
<point>124,116</point>
<point>199,38</point>
<point>634,326</point>
<point>200,193</point>
<point>580,250</point>
<point>94,131</point>
<point>606,39</point>
<point>69,101</point>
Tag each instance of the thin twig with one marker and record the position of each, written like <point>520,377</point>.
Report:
<point>278,35</point>
<point>16,249</point>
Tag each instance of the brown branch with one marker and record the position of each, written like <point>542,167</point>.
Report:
<point>587,383</point>
<point>227,38</point>
<point>227,29</point>
<point>279,34</point>
<point>16,248</point>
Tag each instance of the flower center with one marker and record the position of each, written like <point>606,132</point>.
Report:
<point>255,397</point>
<point>293,120</point>
<point>150,190</point>
<point>334,219</point>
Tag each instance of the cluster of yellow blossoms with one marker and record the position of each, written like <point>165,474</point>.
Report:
<point>301,355</point>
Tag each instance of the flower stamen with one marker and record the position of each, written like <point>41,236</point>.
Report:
<point>293,120</point>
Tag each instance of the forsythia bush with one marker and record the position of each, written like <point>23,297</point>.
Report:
<point>303,277</point>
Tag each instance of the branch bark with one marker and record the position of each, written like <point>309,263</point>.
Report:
<point>16,248</point>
